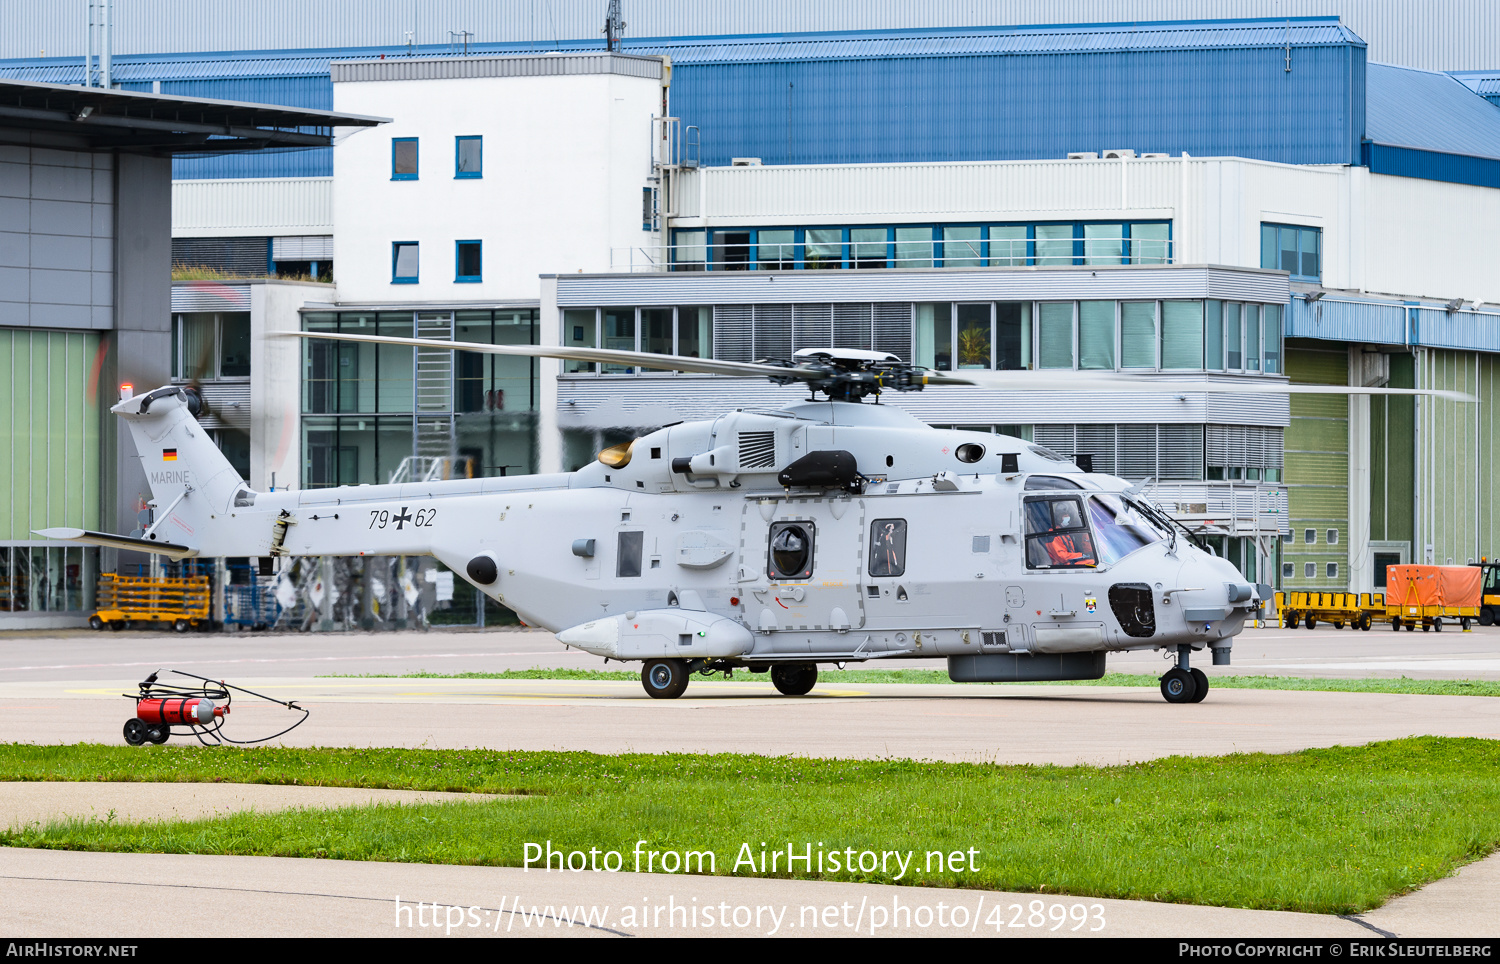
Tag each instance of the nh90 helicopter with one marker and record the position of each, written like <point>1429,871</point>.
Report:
<point>825,532</point>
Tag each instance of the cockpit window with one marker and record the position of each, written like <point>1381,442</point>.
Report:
<point>1121,528</point>
<point>1036,482</point>
<point>1057,537</point>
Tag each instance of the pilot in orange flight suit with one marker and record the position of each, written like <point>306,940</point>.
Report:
<point>1062,547</point>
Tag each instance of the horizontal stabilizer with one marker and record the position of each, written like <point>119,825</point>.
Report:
<point>109,541</point>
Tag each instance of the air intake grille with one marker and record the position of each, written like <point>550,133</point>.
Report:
<point>757,450</point>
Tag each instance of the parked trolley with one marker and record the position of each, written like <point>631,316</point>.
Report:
<point>181,603</point>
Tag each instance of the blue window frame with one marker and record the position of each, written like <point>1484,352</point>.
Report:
<point>1292,248</point>
<point>468,261</point>
<point>468,157</point>
<point>404,159</point>
<point>405,260</point>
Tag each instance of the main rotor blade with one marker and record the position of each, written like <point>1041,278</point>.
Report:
<point>1020,381</point>
<point>608,356</point>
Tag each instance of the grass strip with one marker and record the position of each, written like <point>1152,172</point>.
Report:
<point>1418,687</point>
<point>1336,830</point>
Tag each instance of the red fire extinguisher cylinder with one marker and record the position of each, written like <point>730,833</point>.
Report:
<point>178,711</point>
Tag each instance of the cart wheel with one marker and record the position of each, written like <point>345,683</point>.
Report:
<point>158,734</point>
<point>1338,624</point>
<point>180,625</point>
<point>1291,619</point>
<point>1411,626</point>
<point>1396,624</point>
<point>1464,624</point>
<point>117,625</point>
<point>135,731</point>
<point>95,622</point>
<point>1310,621</point>
<point>1486,616</point>
<point>1437,625</point>
<point>1365,623</point>
<point>1426,626</point>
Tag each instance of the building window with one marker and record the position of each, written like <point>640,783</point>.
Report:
<point>469,262</point>
<point>468,157</point>
<point>1333,537</point>
<point>404,159</point>
<point>1333,570</point>
<point>1288,570</point>
<point>1310,536</point>
<point>208,346</point>
<point>404,263</point>
<point>1310,570</point>
<point>1293,249</point>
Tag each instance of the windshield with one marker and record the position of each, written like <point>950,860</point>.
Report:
<point>1121,528</point>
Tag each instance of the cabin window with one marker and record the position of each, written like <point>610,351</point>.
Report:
<point>888,547</point>
<point>1057,537</point>
<point>628,561</point>
<point>791,554</point>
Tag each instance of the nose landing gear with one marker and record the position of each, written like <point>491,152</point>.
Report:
<point>1183,683</point>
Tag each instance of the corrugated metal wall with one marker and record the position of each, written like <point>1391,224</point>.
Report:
<point>1238,102</point>
<point>1450,489</point>
<point>1317,468</point>
<point>1453,35</point>
<point>212,208</point>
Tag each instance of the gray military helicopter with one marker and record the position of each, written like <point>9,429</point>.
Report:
<point>828,531</point>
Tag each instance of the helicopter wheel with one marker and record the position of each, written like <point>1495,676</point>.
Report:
<point>1200,685</point>
<point>1178,686</point>
<point>664,679</point>
<point>794,679</point>
<point>135,731</point>
<point>158,734</point>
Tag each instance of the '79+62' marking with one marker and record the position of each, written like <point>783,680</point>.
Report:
<point>380,518</point>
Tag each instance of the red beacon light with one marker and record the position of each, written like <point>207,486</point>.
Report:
<point>127,391</point>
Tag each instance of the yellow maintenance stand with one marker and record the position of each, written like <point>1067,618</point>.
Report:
<point>179,603</point>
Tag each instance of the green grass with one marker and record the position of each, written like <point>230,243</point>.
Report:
<point>1419,687</point>
<point>1336,830</point>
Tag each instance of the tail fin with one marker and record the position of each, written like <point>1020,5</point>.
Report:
<point>190,478</point>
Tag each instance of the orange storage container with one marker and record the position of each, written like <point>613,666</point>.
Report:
<point>1447,586</point>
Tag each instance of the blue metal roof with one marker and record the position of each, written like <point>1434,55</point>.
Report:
<point>1429,111</point>
<point>1485,83</point>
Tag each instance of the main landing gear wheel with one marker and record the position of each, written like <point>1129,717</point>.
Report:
<point>135,731</point>
<point>664,679</point>
<point>1200,685</point>
<point>1178,686</point>
<point>794,679</point>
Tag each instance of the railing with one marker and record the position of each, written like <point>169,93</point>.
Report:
<point>811,256</point>
<point>1224,508</point>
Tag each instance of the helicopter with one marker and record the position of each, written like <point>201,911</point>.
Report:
<point>829,531</point>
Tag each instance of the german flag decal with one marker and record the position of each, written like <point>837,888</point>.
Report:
<point>169,455</point>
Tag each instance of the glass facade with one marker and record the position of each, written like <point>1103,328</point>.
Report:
<point>359,401</point>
